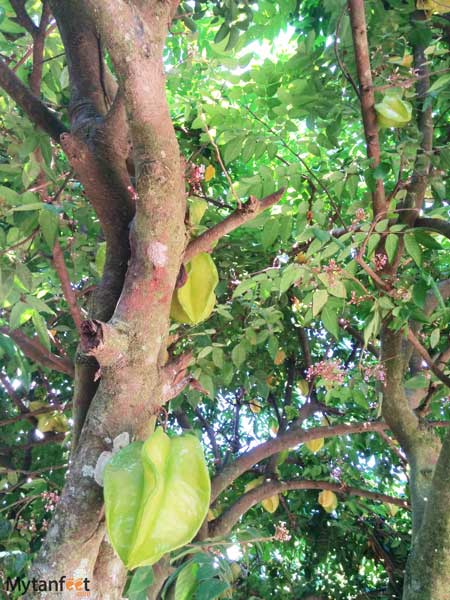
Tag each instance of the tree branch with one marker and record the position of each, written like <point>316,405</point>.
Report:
<point>69,294</point>
<point>36,352</point>
<point>427,358</point>
<point>288,439</point>
<point>204,242</point>
<point>367,95</point>
<point>35,110</point>
<point>438,225</point>
<point>224,523</point>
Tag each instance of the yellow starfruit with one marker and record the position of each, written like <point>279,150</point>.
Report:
<point>271,504</point>
<point>434,6</point>
<point>51,420</point>
<point>210,172</point>
<point>157,495</point>
<point>197,208</point>
<point>393,111</point>
<point>315,445</point>
<point>194,301</point>
<point>279,358</point>
<point>328,500</point>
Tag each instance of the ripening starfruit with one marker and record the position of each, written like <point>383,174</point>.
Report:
<point>328,500</point>
<point>392,111</point>
<point>50,421</point>
<point>194,301</point>
<point>156,495</point>
<point>315,445</point>
<point>271,504</point>
<point>434,6</point>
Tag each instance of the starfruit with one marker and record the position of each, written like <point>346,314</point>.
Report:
<point>209,173</point>
<point>315,445</point>
<point>156,495</point>
<point>197,208</point>
<point>51,420</point>
<point>328,500</point>
<point>194,301</point>
<point>393,111</point>
<point>280,357</point>
<point>271,504</point>
<point>434,6</point>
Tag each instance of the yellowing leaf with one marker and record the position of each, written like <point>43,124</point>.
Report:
<point>271,504</point>
<point>194,301</point>
<point>279,357</point>
<point>328,500</point>
<point>315,445</point>
<point>209,173</point>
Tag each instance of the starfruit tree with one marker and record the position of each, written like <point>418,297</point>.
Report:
<point>224,284</point>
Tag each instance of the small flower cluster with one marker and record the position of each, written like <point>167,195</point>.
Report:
<point>51,499</point>
<point>329,370</point>
<point>360,215</point>
<point>25,526</point>
<point>376,372</point>
<point>354,299</point>
<point>336,473</point>
<point>282,532</point>
<point>196,175</point>
<point>380,261</point>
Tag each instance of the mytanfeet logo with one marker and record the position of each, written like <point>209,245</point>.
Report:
<point>78,585</point>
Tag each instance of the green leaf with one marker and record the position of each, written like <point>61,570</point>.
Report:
<point>238,355</point>
<point>373,242</point>
<point>233,39</point>
<point>20,314</point>
<point>337,289</point>
<point>320,298</point>
<point>140,582</point>
<point>330,320</point>
<point>427,240</point>
<point>30,171</point>
<point>441,82</point>
<point>391,245</point>
<point>232,149</point>
<point>211,589</point>
<point>41,329</point>
<point>270,232</point>
<point>49,221</point>
<point>186,582</point>
<point>222,33</point>
<point>417,382</point>
<point>413,248</point>
<point>435,337</point>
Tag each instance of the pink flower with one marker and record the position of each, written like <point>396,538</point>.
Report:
<point>329,370</point>
<point>380,261</point>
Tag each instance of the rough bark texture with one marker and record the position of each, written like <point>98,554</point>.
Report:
<point>130,387</point>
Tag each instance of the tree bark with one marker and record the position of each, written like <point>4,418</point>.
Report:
<point>130,389</point>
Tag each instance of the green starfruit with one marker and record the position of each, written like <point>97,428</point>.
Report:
<point>393,111</point>
<point>194,301</point>
<point>156,495</point>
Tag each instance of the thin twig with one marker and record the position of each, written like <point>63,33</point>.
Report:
<point>221,163</point>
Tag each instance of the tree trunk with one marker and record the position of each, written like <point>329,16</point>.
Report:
<point>130,347</point>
